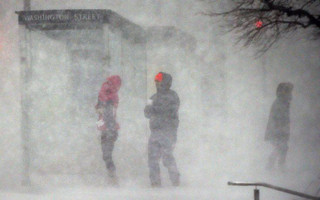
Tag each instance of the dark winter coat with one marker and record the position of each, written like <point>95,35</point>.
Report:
<point>108,115</point>
<point>278,127</point>
<point>163,112</point>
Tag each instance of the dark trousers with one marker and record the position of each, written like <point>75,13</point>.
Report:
<point>278,154</point>
<point>108,139</point>
<point>162,146</point>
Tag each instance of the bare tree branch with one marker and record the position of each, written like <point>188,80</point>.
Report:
<point>293,12</point>
<point>275,19</point>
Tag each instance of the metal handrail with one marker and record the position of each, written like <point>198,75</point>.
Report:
<point>281,189</point>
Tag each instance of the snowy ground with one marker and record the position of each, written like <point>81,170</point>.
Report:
<point>75,193</point>
<point>108,193</point>
<point>217,189</point>
<point>117,193</point>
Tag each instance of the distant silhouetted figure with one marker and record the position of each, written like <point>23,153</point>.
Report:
<point>162,110</point>
<point>278,128</point>
<point>106,108</point>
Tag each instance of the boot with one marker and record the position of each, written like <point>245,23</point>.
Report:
<point>113,179</point>
<point>156,185</point>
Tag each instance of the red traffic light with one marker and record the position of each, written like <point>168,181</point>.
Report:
<point>259,24</point>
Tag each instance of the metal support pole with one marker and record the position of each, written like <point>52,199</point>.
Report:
<point>256,194</point>
<point>27,5</point>
<point>25,101</point>
<point>26,73</point>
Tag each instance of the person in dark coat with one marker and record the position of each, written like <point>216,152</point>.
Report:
<point>106,107</point>
<point>162,112</point>
<point>278,127</point>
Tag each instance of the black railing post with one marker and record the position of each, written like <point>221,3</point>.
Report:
<point>256,194</point>
<point>256,191</point>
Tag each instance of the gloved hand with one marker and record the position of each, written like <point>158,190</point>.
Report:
<point>100,123</point>
<point>149,102</point>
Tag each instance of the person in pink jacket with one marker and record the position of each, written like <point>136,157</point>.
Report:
<point>106,107</point>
